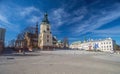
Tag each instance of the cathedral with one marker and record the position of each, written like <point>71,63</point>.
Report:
<point>43,40</point>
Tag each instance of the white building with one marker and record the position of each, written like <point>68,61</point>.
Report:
<point>101,45</point>
<point>76,45</point>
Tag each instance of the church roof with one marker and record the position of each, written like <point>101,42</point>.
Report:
<point>45,19</point>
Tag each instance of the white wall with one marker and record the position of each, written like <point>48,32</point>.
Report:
<point>106,45</point>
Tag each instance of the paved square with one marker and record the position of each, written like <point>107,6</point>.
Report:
<point>61,62</point>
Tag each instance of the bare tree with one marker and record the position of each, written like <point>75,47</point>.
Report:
<point>11,43</point>
<point>65,42</point>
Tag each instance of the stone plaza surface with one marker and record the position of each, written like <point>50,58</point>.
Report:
<point>60,62</point>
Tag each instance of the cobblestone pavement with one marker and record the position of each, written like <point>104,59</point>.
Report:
<point>60,62</point>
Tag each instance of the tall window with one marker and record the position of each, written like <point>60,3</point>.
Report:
<point>47,40</point>
<point>48,28</point>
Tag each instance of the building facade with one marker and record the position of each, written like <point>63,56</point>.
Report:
<point>106,45</point>
<point>31,39</point>
<point>2,39</point>
<point>28,41</point>
<point>45,40</point>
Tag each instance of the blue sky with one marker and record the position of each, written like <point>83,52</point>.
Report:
<point>75,19</point>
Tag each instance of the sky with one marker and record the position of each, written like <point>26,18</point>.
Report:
<point>74,19</point>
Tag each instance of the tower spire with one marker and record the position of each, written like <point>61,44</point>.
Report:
<point>45,19</point>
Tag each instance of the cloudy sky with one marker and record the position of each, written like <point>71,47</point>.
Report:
<point>75,19</point>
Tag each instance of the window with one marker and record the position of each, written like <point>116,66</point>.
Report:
<point>47,40</point>
<point>47,29</point>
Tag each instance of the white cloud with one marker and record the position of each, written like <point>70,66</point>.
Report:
<point>30,14</point>
<point>33,19</point>
<point>97,21</point>
<point>58,16</point>
<point>28,10</point>
<point>75,19</point>
<point>3,19</point>
<point>113,30</point>
<point>81,11</point>
<point>5,23</point>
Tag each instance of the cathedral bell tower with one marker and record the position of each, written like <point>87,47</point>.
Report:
<point>45,36</point>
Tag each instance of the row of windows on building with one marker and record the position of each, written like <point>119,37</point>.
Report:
<point>106,46</point>
<point>103,43</point>
<point>95,43</point>
<point>106,43</point>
